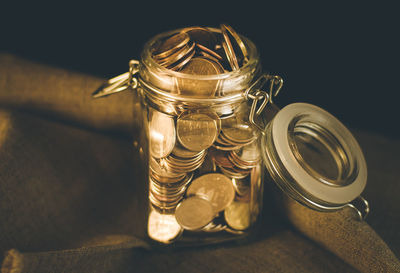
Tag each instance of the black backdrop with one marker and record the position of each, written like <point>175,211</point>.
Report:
<point>339,56</point>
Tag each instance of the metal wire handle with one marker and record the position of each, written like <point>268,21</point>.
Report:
<point>255,94</point>
<point>120,82</point>
<point>363,213</point>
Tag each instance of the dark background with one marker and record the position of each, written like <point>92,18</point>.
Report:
<point>340,56</point>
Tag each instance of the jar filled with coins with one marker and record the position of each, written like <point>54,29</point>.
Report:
<point>209,130</point>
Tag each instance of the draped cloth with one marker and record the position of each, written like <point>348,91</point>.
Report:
<point>70,199</point>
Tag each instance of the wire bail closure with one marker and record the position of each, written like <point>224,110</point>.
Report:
<point>119,83</point>
<point>361,213</point>
<point>255,94</point>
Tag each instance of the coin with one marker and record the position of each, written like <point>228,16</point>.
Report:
<point>242,186</point>
<point>184,165</point>
<point>199,87</point>
<point>171,44</point>
<point>238,41</point>
<point>228,48</point>
<point>196,131</point>
<point>237,131</point>
<point>181,63</point>
<point>158,168</point>
<point>162,134</point>
<point>249,153</point>
<point>234,172</point>
<point>237,215</point>
<point>215,187</point>
<point>194,213</point>
<point>163,227</point>
<point>246,157</point>
<point>182,152</point>
<point>178,56</point>
<point>209,52</point>
<point>202,36</point>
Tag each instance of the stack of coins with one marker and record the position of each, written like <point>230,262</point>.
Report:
<point>202,166</point>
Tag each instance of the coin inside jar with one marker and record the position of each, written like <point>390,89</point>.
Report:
<point>199,87</point>
<point>236,131</point>
<point>215,187</point>
<point>162,134</point>
<point>201,36</point>
<point>171,44</point>
<point>194,213</point>
<point>237,215</point>
<point>228,48</point>
<point>163,227</point>
<point>238,41</point>
<point>196,131</point>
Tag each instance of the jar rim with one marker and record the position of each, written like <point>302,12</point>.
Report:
<point>146,59</point>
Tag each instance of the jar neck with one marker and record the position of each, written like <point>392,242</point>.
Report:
<point>174,104</point>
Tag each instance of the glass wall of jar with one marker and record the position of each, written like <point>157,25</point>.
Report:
<point>200,150</point>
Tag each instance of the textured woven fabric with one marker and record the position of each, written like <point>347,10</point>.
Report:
<point>70,198</point>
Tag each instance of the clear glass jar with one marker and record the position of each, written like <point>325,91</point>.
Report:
<point>203,157</point>
<point>201,154</point>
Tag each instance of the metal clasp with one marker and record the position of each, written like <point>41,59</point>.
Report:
<point>361,213</point>
<point>255,94</point>
<point>120,82</point>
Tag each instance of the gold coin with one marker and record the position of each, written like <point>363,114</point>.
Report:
<point>209,52</point>
<point>194,213</point>
<point>163,227</point>
<point>239,41</point>
<point>182,152</point>
<point>249,153</point>
<point>237,131</point>
<point>196,131</point>
<point>195,87</point>
<point>242,186</point>
<point>234,172</point>
<point>171,44</point>
<point>237,215</point>
<point>202,36</point>
<point>161,171</point>
<point>162,134</point>
<point>229,51</point>
<point>215,187</point>
<point>222,146</point>
<point>182,62</point>
<point>177,56</point>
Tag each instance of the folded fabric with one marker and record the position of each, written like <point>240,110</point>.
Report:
<point>70,204</point>
<point>63,94</point>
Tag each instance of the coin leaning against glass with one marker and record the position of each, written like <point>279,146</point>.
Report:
<point>237,215</point>
<point>199,87</point>
<point>162,134</point>
<point>202,36</point>
<point>238,41</point>
<point>194,213</point>
<point>163,227</point>
<point>196,131</point>
<point>215,187</point>
<point>170,45</point>
<point>228,48</point>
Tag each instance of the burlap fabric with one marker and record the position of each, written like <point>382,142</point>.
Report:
<point>69,199</point>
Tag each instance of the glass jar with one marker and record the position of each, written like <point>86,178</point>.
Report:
<point>204,156</point>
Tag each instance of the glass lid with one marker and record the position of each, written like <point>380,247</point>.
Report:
<point>313,157</point>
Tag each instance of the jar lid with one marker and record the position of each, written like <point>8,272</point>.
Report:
<point>313,157</point>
